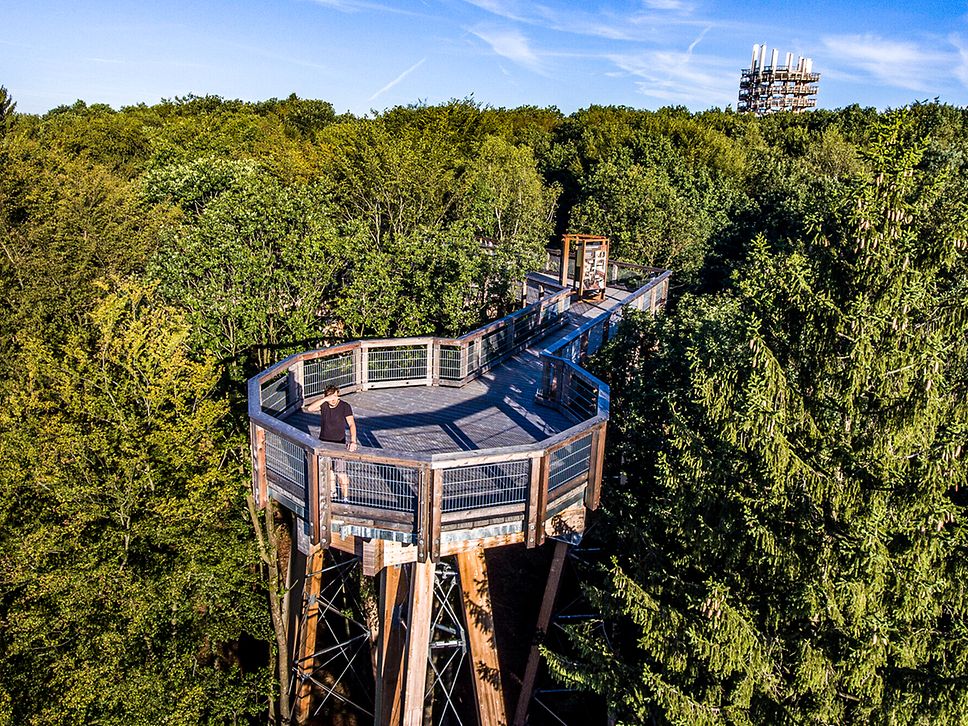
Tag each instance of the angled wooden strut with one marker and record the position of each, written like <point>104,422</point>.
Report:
<point>544,619</point>
<point>307,636</point>
<point>479,616</point>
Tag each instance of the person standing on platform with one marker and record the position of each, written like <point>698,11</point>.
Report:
<point>334,417</point>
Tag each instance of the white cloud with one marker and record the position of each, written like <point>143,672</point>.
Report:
<point>903,64</point>
<point>682,77</point>
<point>961,69</point>
<point>397,80</point>
<point>677,5</point>
<point>510,43</point>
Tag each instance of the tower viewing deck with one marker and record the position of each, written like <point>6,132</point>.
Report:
<point>491,438</point>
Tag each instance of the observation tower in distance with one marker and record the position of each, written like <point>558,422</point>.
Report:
<point>766,89</point>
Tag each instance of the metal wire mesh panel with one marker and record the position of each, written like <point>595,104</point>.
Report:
<point>524,326</point>
<point>381,486</point>
<point>337,370</point>
<point>581,398</point>
<point>450,363</point>
<point>287,461</point>
<point>486,485</point>
<point>275,394</point>
<point>401,363</point>
<point>473,356</point>
<point>569,462</point>
<point>495,344</point>
<point>595,337</point>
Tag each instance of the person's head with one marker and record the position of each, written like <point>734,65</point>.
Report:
<point>331,395</point>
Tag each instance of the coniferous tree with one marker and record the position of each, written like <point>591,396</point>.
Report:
<point>791,536</point>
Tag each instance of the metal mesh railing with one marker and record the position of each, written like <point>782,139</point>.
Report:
<point>495,344</point>
<point>287,461</point>
<point>396,363</point>
<point>524,326</point>
<point>486,485</point>
<point>377,485</point>
<point>581,396</point>
<point>275,394</point>
<point>336,370</point>
<point>450,363</point>
<point>569,462</point>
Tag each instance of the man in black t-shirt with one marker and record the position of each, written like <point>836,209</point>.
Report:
<point>334,416</point>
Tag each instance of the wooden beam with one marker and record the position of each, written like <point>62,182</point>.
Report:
<point>424,503</point>
<point>479,616</point>
<point>394,590</point>
<point>544,618</point>
<point>305,658</point>
<point>418,642</point>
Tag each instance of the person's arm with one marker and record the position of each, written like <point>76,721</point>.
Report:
<point>352,424</point>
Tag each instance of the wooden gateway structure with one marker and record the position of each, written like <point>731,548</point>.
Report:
<point>491,439</point>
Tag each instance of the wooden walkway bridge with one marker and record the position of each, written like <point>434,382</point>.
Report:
<point>493,438</point>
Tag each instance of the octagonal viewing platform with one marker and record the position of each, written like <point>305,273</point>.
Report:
<point>491,438</point>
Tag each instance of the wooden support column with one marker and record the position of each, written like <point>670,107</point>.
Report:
<point>306,661</point>
<point>563,272</point>
<point>418,642</point>
<point>436,511</point>
<point>479,616</point>
<point>544,619</point>
<point>394,591</point>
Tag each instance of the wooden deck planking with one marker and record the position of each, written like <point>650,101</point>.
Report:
<point>497,409</point>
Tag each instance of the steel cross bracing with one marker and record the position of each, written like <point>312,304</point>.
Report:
<point>342,648</point>
<point>448,646</point>
<point>343,640</point>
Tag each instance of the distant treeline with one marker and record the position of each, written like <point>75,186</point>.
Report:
<point>789,542</point>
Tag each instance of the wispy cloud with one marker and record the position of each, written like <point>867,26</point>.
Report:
<point>961,69</point>
<point>355,6</point>
<point>397,80</point>
<point>676,5</point>
<point>510,43</point>
<point>903,64</point>
<point>681,77</point>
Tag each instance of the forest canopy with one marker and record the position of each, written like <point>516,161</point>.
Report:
<point>787,536</point>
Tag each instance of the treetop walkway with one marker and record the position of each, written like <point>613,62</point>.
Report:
<point>491,438</point>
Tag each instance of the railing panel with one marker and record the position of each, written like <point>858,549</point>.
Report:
<point>276,394</point>
<point>396,363</point>
<point>319,373</point>
<point>378,485</point>
<point>450,363</point>
<point>486,485</point>
<point>495,344</point>
<point>581,396</point>
<point>287,462</point>
<point>568,462</point>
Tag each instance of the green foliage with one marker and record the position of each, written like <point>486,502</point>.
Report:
<point>7,110</point>
<point>791,536</point>
<point>127,574</point>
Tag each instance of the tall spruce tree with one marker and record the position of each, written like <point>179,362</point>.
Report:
<point>792,540</point>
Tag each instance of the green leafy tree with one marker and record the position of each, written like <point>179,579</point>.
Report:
<point>126,567</point>
<point>792,534</point>
<point>7,110</point>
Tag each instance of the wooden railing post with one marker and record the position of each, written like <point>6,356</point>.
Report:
<point>312,492</point>
<point>596,461</point>
<point>436,511</point>
<point>424,503</point>
<point>537,501</point>
<point>433,363</point>
<point>364,366</point>
<point>260,481</point>
<point>324,499</point>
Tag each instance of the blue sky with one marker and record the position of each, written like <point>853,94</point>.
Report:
<point>373,54</point>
